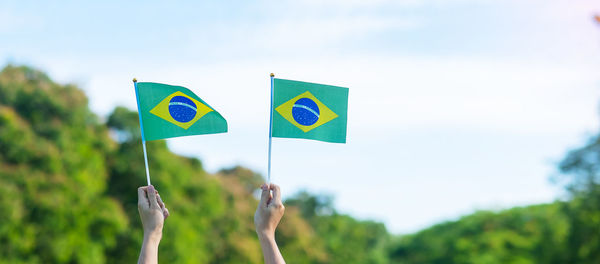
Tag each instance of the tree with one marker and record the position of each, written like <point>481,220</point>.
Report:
<point>53,174</point>
<point>533,234</point>
<point>582,166</point>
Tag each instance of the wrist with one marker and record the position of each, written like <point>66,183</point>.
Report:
<point>153,237</point>
<point>151,242</point>
<point>266,235</point>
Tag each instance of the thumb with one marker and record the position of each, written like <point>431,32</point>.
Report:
<point>276,193</point>
<point>152,197</point>
<point>265,195</point>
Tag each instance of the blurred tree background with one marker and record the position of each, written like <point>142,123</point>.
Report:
<point>68,195</point>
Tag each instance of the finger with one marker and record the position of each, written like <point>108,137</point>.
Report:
<point>162,205</point>
<point>160,202</point>
<point>152,197</point>
<point>276,193</point>
<point>142,198</point>
<point>166,213</point>
<point>265,196</point>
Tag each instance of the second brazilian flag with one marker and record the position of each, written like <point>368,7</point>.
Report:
<point>174,111</point>
<point>310,111</point>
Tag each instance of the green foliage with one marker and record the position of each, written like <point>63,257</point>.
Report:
<point>342,238</point>
<point>53,174</point>
<point>534,234</point>
<point>582,166</point>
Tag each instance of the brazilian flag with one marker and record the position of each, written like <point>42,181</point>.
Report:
<point>309,110</point>
<point>173,111</point>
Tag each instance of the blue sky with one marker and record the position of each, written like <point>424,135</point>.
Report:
<point>454,105</point>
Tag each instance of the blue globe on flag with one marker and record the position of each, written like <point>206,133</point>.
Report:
<point>305,111</point>
<point>182,109</point>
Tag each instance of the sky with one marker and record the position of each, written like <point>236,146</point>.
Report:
<point>454,106</point>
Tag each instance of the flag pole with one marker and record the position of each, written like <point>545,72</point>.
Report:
<point>270,131</point>
<point>142,131</point>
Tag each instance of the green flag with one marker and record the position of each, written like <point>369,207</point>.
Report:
<point>309,110</point>
<point>173,111</point>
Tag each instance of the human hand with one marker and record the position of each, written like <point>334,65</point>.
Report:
<point>153,212</point>
<point>269,211</point>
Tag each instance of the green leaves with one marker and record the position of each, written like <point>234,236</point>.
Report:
<point>53,174</point>
<point>534,234</point>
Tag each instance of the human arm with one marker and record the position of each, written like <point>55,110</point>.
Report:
<point>267,217</point>
<point>153,214</point>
